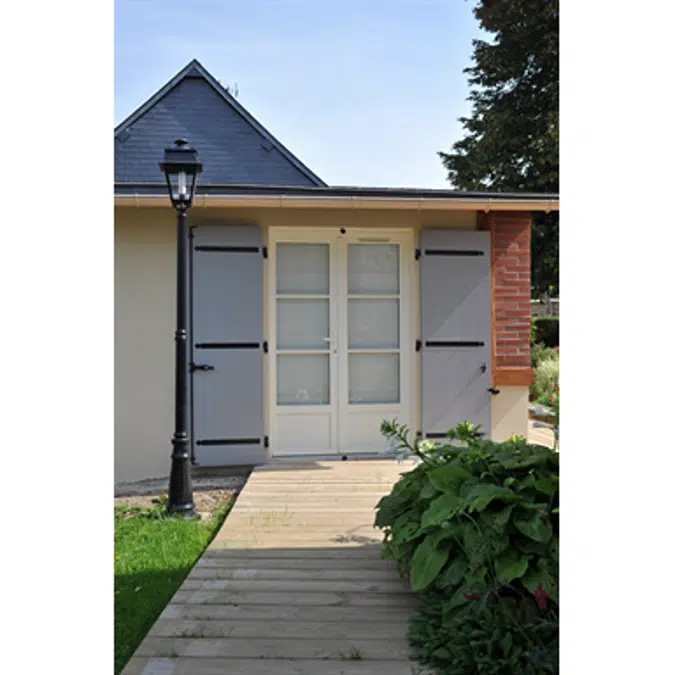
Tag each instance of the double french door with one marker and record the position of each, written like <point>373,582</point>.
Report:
<point>340,327</point>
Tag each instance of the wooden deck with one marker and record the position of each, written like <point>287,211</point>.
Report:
<point>293,583</point>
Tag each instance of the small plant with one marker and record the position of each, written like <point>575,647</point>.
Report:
<point>353,655</point>
<point>540,352</point>
<point>546,376</point>
<point>552,400</point>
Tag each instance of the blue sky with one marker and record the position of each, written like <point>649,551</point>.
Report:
<point>363,92</point>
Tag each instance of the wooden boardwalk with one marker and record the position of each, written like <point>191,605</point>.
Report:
<point>293,583</point>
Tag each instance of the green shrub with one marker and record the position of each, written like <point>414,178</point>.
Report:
<point>546,377</point>
<point>475,527</point>
<point>540,352</point>
<point>487,637</point>
<point>546,330</point>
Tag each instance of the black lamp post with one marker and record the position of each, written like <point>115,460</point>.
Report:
<point>181,166</point>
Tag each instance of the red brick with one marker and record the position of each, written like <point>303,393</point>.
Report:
<point>508,261</point>
<point>518,296</point>
<point>511,286</point>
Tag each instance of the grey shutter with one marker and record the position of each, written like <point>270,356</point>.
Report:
<point>227,336</point>
<point>456,330</point>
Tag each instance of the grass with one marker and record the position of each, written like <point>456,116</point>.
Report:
<point>153,555</point>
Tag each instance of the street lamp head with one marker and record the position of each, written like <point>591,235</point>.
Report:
<point>181,166</point>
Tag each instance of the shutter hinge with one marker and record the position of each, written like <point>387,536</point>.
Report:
<point>264,251</point>
<point>265,347</point>
<point>418,254</point>
<point>266,442</point>
<point>418,345</point>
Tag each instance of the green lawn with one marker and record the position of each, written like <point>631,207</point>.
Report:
<point>152,557</point>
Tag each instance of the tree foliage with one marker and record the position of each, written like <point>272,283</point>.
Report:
<point>511,138</point>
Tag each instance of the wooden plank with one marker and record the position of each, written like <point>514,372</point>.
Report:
<point>342,489</point>
<point>237,544</point>
<point>386,586</point>
<point>241,560</point>
<point>284,539</point>
<point>191,597</point>
<point>304,520</point>
<point>264,613</point>
<point>224,666</point>
<point>363,465</point>
<point>367,501</point>
<point>296,630</point>
<point>270,648</point>
<point>306,572</point>
<point>304,511</point>
<point>242,545</point>
<point>257,529</point>
<point>300,565</point>
<point>381,483</point>
<point>367,552</point>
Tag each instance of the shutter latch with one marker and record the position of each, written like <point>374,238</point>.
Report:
<point>202,366</point>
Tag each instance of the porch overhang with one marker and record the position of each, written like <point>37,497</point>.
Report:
<point>250,196</point>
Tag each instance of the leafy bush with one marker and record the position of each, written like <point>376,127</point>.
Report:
<point>546,376</point>
<point>475,527</point>
<point>546,330</point>
<point>488,637</point>
<point>540,352</point>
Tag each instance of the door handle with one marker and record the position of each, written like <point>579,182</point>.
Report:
<point>331,344</point>
<point>203,366</point>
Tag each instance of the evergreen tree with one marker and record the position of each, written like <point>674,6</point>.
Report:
<point>511,141</point>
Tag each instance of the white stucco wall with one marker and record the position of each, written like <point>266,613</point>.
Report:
<point>509,412</point>
<point>145,273</point>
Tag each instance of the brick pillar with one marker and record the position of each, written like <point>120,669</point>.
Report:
<point>510,238</point>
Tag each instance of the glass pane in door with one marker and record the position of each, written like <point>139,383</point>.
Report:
<point>303,379</point>
<point>373,324</point>
<point>373,269</point>
<point>302,269</point>
<point>374,378</point>
<point>302,324</point>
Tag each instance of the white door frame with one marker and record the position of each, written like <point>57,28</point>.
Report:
<point>345,418</point>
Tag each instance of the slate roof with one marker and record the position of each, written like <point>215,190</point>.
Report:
<point>234,147</point>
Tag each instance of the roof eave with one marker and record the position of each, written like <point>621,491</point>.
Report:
<point>324,201</point>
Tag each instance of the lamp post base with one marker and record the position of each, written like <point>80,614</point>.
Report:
<point>181,502</point>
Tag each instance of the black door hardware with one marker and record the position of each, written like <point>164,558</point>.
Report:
<point>200,366</point>
<point>493,391</point>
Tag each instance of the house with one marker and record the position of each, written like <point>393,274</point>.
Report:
<point>318,310</point>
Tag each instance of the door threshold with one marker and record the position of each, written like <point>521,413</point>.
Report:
<point>354,457</point>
